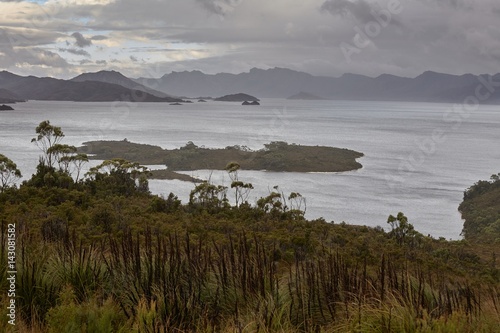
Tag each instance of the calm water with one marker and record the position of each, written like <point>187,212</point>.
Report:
<point>419,158</point>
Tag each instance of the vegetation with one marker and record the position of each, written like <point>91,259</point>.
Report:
<point>276,156</point>
<point>102,254</point>
<point>481,211</point>
<point>9,173</point>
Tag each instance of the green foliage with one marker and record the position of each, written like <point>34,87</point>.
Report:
<point>481,211</point>
<point>242,190</point>
<point>47,137</point>
<point>118,176</point>
<point>402,230</point>
<point>72,317</point>
<point>9,173</point>
<point>209,197</point>
<point>169,205</point>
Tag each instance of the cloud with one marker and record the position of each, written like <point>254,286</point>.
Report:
<point>361,10</point>
<point>98,37</point>
<point>190,34</point>
<point>32,57</point>
<point>80,40</point>
<point>219,7</point>
<point>79,52</point>
<point>456,4</point>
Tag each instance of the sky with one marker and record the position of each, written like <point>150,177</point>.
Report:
<point>150,38</point>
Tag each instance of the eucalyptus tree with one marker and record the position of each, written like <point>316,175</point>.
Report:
<point>48,136</point>
<point>242,190</point>
<point>9,173</point>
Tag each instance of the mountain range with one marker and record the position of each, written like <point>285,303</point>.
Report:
<point>271,83</point>
<point>284,83</point>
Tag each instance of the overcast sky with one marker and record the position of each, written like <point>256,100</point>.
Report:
<point>63,38</point>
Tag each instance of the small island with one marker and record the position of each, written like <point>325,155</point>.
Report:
<point>250,103</point>
<point>4,107</point>
<point>275,156</point>
<point>237,98</point>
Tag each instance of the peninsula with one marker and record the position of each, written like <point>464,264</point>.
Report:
<point>275,156</point>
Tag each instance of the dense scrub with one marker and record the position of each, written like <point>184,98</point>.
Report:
<point>104,255</point>
<point>481,211</point>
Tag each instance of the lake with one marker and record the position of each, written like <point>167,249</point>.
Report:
<point>419,157</point>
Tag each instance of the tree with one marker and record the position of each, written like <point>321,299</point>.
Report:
<point>208,196</point>
<point>79,161</point>
<point>48,136</point>
<point>242,190</point>
<point>121,176</point>
<point>297,203</point>
<point>9,173</point>
<point>402,230</point>
<point>63,155</point>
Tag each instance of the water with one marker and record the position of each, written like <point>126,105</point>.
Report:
<point>418,157</point>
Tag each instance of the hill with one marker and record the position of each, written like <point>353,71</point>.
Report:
<point>34,88</point>
<point>117,78</point>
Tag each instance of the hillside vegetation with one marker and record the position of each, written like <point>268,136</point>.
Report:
<point>99,253</point>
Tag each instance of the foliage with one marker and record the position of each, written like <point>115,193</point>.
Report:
<point>9,173</point>
<point>119,176</point>
<point>481,211</point>
<point>48,136</point>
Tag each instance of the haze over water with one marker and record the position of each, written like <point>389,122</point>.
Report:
<point>403,170</point>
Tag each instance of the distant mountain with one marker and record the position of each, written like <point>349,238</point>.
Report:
<point>8,97</point>
<point>108,86</point>
<point>283,83</point>
<point>305,96</point>
<point>240,97</point>
<point>118,78</point>
<point>34,88</point>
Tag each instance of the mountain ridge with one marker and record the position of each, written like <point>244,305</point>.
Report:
<point>277,82</point>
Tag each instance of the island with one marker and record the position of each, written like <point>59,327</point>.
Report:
<point>237,98</point>
<point>4,107</point>
<point>275,156</point>
<point>250,103</point>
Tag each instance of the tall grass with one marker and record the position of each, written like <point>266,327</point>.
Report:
<point>147,282</point>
